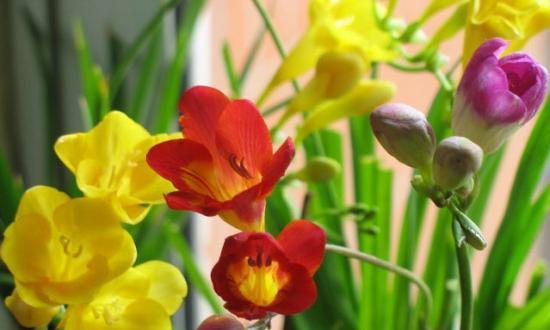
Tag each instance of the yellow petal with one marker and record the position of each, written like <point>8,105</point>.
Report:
<point>336,74</point>
<point>125,303</point>
<point>26,247</point>
<point>109,163</point>
<point>168,287</point>
<point>27,315</point>
<point>363,99</point>
<point>110,141</point>
<point>436,6</point>
<point>144,183</point>
<point>92,224</point>
<point>452,26</point>
<point>41,200</point>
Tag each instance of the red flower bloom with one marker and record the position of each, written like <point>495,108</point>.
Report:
<point>225,164</point>
<point>257,274</point>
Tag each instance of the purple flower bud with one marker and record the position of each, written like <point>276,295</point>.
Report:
<point>456,160</point>
<point>405,134</point>
<point>497,96</point>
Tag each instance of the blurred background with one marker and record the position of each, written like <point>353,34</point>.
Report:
<point>43,92</point>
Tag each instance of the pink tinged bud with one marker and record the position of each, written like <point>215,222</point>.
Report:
<point>456,160</point>
<point>497,96</point>
<point>405,134</point>
<point>221,322</point>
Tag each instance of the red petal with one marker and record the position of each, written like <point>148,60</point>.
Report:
<point>201,108</point>
<point>243,134</point>
<point>277,167</point>
<point>304,243</point>
<point>191,201</point>
<point>271,175</point>
<point>187,164</point>
<point>298,295</point>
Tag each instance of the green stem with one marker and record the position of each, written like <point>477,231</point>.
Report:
<point>350,253</point>
<point>406,68</point>
<point>275,36</point>
<point>271,110</point>
<point>466,298</point>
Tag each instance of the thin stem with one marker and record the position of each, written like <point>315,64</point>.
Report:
<point>406,68</point>
<point>466,296</point>
<point>274,35</point>
<point>443,80</point>
<point>350,253</point>
<point>271,110</point>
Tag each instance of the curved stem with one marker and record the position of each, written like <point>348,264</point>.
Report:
<point>274,35</point>
<point>466,296</point>
<point>350,253</point>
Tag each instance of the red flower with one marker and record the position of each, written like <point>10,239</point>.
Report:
<point>225,164</point>
<point>257,274</point>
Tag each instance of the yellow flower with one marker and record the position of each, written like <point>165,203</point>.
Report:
<point>27,315</point>
<point>143,298</point>
<point>514,20</point>
<point>361,100</point>
<point>336,26</point>
<point>61,250</point>
<point>336,74</point>
<point>109,163</point>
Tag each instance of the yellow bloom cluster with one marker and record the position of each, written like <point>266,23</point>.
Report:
<point>341,43</point>
<point>75,252</point>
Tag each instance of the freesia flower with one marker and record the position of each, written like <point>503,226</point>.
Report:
<point>61,250</point>
<point>144,297</point>
<point>365,96</point>
<point>336,74</point>
<point>257,274</point>
<point>27,315</point>
<point>513,20</point>
<point>225,165</point>
<point>336,26</point>
<point>496,96</point>
<point>109,163</point>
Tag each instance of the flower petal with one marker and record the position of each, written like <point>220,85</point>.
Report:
<point>245,136</point>
<point>304,243</point>
<point>168,287</point>
<point>298,295</point>
<point>201,107</point>
<point>27,315</point>
<point>186,163</point>
<point>109,142</point>
<point>191,201</point>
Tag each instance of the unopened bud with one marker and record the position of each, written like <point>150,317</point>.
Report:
<point>405,134</point>
<point>319,169</point>
<point>456,160</point>
<point>221,322</point>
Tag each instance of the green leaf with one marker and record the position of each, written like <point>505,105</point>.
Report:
<point>10,192</point>
<point>229,65</point>
<point>534,315</point>
<point>133,50</point>
<point>193,273</point>
<point>146,80</point>
<point>172,82</point>
<point>376,186</point>
<point>510,248</point>
<point>335,272</point>
<point>89,105</point>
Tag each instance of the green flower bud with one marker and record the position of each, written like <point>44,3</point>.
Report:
<point>405,134</point>
<point>456,160</point>
<point>319,169</point>
<point>221,322</point>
